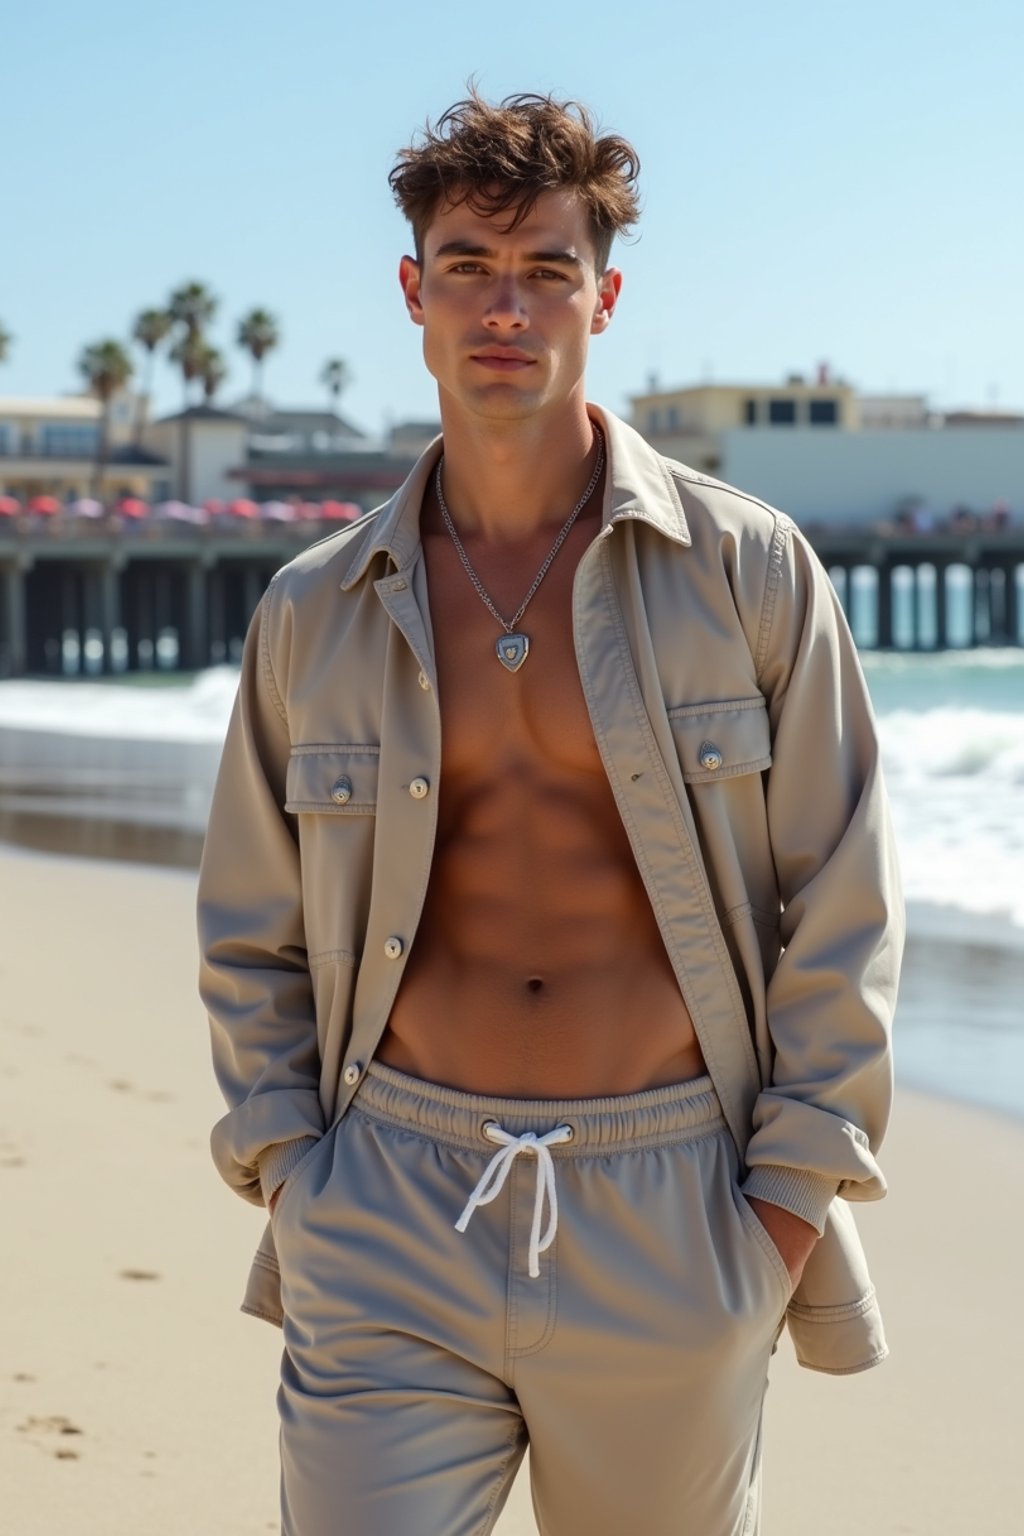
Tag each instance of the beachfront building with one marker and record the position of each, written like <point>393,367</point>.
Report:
<point>690,423</point>
<point>835,458</point>
<point>49,445</point>
<point>258,452</point>
<point>200,445</point>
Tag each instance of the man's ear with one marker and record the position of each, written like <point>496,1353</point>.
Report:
<point>609,286</point>
<point>409,277</point>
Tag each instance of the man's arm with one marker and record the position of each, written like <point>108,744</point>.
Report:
<point>820,1119</point>
<point>254,977</point>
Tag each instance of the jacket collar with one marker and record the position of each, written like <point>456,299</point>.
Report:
<point>638,485</point>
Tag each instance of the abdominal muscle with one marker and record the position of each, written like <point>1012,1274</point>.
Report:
<point>538,970</point>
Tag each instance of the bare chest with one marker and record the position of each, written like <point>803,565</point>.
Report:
<point>494,719</point>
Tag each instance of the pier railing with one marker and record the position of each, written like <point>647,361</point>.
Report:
<point>108,594</point>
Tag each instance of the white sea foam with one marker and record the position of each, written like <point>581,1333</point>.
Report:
<point>196,711</point>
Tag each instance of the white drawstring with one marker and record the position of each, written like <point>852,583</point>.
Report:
<point>497,1170</point>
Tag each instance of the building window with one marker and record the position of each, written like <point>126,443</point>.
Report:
<point>5,440</point>
<point>69,442</point>
<point>750,412</point>
<point>824,413</point>
<point>654,421</point>
<point>782,413</point>
<point>673,418</point>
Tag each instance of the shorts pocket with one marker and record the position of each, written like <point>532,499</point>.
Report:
<point>762,1238</point>
<point>297,1173</point>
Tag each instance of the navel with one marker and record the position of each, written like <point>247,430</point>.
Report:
<point>535,985</point>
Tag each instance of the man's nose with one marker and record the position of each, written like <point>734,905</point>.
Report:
<point>506,307</point>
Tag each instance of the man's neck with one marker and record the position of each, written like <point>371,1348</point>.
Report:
<point>506,480</point>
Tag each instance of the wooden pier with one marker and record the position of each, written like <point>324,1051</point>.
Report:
<point>166,596</point>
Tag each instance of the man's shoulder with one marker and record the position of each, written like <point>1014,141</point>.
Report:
<point>724,506</point>
<point>328,561</point>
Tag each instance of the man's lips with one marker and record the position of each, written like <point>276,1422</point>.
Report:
<point>505,360</point>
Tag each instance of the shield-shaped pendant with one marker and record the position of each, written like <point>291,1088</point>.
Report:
<point>512,651</point>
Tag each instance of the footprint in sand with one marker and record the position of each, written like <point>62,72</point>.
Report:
<point>155,1095</point>
<point>10,1155</point>
<point>137,1274</point>
<point>43,1432</point>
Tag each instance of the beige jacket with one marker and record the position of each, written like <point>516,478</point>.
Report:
<point>731,715</point>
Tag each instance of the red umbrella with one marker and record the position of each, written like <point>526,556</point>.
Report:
<point>341,511</point>
<point>133,506</point>
<point>243,508</point>
<point>45,506</point>
<point>10,506</point>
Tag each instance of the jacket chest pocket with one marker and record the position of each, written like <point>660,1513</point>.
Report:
<point>332,781</point>
<point>721,741</point>
<point>723,748</point>
<point>332,792</point>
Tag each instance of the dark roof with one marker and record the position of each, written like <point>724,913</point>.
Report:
<point>130,453</point>
<point>204,413</point>
<point>364,461</point>
<point>982,419</point>
<point>309,421</point>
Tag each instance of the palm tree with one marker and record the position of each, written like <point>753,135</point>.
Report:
<point>335,376</point>
<point>258,334</point>
<point>107,368</point>
<point>192,306</point>
<point>5,343</point>
<point>189,353</point>
<point>215,371</point>
<point>151,327</point>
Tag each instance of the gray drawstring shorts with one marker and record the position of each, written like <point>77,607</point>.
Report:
<point>462,1275</point>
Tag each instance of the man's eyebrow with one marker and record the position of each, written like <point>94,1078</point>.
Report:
<point>468,248</point>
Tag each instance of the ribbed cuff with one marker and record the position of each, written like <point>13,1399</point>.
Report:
<point>278,1161</point>
<point>806,1194</point>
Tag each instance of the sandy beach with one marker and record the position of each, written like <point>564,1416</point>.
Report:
<point>134,1397</point>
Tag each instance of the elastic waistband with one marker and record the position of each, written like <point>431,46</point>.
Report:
<point>680,1112</point>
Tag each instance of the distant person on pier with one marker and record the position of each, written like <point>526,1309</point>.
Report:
<point>550,923</point>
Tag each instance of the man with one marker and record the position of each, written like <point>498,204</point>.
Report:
<point>550,924</point>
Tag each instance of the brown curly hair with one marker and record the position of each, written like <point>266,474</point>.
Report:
<point>499,159</point>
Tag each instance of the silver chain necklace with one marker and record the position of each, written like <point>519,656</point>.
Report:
<point>513,648</point>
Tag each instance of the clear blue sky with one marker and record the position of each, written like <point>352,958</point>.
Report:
<point>820,181</point>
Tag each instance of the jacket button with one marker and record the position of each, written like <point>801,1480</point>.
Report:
<point>393,947</point>
<point>424,682</point>
<point>419,789</point>
<point>341,791</point>
<point>352,1073</point>
<point>710,757</point>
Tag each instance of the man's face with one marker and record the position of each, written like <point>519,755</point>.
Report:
<point>507,316</point>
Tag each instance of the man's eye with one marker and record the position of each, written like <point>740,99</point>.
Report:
<point>550,273</point>
<point>467,266</point>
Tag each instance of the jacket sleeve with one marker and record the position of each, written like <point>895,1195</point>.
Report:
<point>819,1121</point>
<point>254,978</point>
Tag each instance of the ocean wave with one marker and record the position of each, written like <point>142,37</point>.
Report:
<point>155,710</point>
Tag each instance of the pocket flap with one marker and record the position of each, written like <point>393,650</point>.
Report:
<point>718,741</point>
<point>337,781</point>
